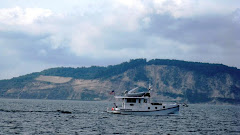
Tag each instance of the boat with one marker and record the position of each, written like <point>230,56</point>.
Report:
<point>134,103</point>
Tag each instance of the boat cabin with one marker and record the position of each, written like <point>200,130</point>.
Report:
<point>138,103</point>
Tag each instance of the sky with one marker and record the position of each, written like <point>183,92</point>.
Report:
<point>40,34</point>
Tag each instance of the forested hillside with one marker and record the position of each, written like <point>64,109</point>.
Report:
<point>192,82</point>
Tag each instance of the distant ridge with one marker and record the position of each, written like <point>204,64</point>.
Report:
<point>192,82</point>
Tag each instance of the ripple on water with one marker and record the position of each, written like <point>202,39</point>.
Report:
<point>76,117</point>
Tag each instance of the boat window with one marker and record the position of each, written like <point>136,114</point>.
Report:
<point>148,107</point>
<point>163,106</point>
<point>139,100</point>
<point>131,104</point>
<point>155,107</point>
<point>145,100</point>
<point>131,100</point>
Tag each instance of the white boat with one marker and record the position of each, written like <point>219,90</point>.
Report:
<point>139,104</point>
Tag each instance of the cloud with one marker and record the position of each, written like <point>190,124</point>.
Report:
<point>191,8</point>
<point>19,16</point>
<point>177,8</point>
<point>204,30</point>
<point>83,33</point>
<point>236,16</point>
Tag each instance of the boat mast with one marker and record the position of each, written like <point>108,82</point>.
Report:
<point>149,90</point>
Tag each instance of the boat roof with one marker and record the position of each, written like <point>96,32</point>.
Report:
<point>130,97</point>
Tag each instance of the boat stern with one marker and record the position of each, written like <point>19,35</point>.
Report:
<point>113,110</point>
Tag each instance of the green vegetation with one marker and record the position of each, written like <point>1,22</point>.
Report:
<point>118,69</point>
<point>97,72</point>
<point>200,68</point>
<point>16,82</point>
<point>78,73</point>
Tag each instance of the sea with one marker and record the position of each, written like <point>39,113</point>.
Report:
<point>68,117</point>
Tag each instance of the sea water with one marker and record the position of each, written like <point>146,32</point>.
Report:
<point>61,117</point>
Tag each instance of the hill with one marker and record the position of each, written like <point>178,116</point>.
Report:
<point>182,81</point>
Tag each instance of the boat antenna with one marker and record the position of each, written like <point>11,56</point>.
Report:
<point>149,91</point>
<point>149,87</point>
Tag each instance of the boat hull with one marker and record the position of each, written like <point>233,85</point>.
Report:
<point>167,111</point>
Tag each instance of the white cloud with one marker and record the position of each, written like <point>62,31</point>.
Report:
<point>177,8</point>
<point>146,22</point>
<point>19,16</point>
<point>82,39</point>
<point>191,8</point>
<point>125,15</point>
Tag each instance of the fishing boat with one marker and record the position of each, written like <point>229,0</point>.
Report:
<point>139,103</point>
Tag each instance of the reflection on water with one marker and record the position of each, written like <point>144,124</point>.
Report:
<point>78,117</point>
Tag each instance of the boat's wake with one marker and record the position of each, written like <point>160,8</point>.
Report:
<point>36,111</point>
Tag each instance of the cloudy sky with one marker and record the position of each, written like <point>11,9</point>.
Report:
<point>40,34</point>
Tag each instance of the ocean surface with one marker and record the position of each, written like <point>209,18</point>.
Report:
<point>62,117</point>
